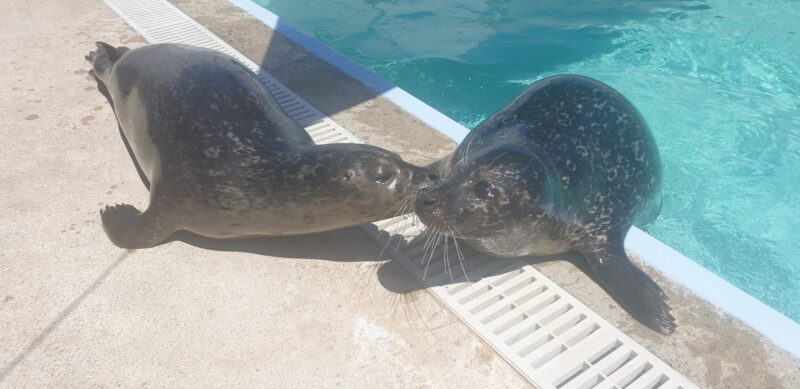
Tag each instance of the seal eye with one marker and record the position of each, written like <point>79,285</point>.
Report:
<point>384,178</point>
<point>483,190</point>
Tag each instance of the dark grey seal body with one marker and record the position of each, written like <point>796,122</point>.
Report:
<point>568,165</point>
<point>221,159</point>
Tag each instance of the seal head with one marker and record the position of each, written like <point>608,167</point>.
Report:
<point>501,192</point>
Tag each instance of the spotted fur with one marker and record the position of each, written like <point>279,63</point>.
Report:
<point>569,164</point>
<point>222,159</point>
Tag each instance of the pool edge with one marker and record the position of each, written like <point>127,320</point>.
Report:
<point>775,326</point>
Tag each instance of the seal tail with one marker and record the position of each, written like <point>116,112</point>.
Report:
<point>634,290</point>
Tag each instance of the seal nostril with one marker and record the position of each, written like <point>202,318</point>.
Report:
<point>433,177</point>
<point>425,200</point>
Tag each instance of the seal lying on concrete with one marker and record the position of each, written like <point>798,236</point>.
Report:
<point>568,165</point>
<point>221,159</point>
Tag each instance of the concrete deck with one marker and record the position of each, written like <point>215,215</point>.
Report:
<point>314,311</point>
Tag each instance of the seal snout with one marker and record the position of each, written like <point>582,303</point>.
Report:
<point>426,199</point>
<point>428,204</point>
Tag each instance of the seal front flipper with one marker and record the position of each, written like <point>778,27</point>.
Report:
<point>634,290</point>
<point>128,228</point>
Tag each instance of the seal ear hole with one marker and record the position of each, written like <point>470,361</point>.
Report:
<point>483,189</point>
<point>349,174</point>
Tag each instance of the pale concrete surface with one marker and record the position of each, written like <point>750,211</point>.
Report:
<point>76,311</point>
<point>709,347</point>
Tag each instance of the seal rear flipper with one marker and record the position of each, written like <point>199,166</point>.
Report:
<point>128,228</point>
<point>634,290</point>
<point>103,59</point>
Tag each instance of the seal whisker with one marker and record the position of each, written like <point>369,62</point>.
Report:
<point>496,159</point>
<point>466,152</point>
<point>428,235</point>
<point>406,211</point>
<point>364,281</point>
<point>432,233</point>
<point>404,204</point>
<point>401,205</point>
<point>395,210</point>
<point>430,257</point>
<point>402,234</point>
<point>445,257</point>
<point>385,246</point>
<point>459,254</point>
<point>402,231</point>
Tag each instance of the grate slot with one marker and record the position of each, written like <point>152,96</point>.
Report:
<point>650,379</point>
<point>618,355</point>
<point>523,286</point>
<point>576,357</point>
<point>558,342</point>
<point>512,320</point>
<point>667,383</point>
<point>571,374</point>
<point>526,348</point>
<point>629,372</point>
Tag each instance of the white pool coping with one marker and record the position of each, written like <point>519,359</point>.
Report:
<point>781,330</point>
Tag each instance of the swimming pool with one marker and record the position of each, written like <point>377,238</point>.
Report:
<point>718,82</point>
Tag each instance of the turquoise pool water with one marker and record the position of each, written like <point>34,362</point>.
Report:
<point>718,81</point>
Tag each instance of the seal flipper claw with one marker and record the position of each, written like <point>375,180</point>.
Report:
<point>634,290</point>
<point>128,228</point>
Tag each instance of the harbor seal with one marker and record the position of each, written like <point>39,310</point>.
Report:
<point>569,164</point>
<point>221,159</point>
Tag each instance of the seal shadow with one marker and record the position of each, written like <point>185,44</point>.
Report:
<point>387,278</point>
<point>326,246</point>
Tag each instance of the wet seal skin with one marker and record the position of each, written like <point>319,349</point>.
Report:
<point>221,158</point>
<point>569,164</point>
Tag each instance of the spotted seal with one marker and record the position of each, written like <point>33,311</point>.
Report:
<point>222,159</point>
<point>569,164</point>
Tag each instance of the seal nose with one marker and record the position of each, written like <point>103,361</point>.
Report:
<point>426,199</point>
<point>433,177</point>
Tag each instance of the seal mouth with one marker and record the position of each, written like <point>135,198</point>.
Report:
<point>430,212</point>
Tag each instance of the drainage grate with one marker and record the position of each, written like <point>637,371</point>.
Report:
<point>545,333</point>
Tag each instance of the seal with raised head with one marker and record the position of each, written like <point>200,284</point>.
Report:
<point>569,164</point>
<point>222,159</point>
